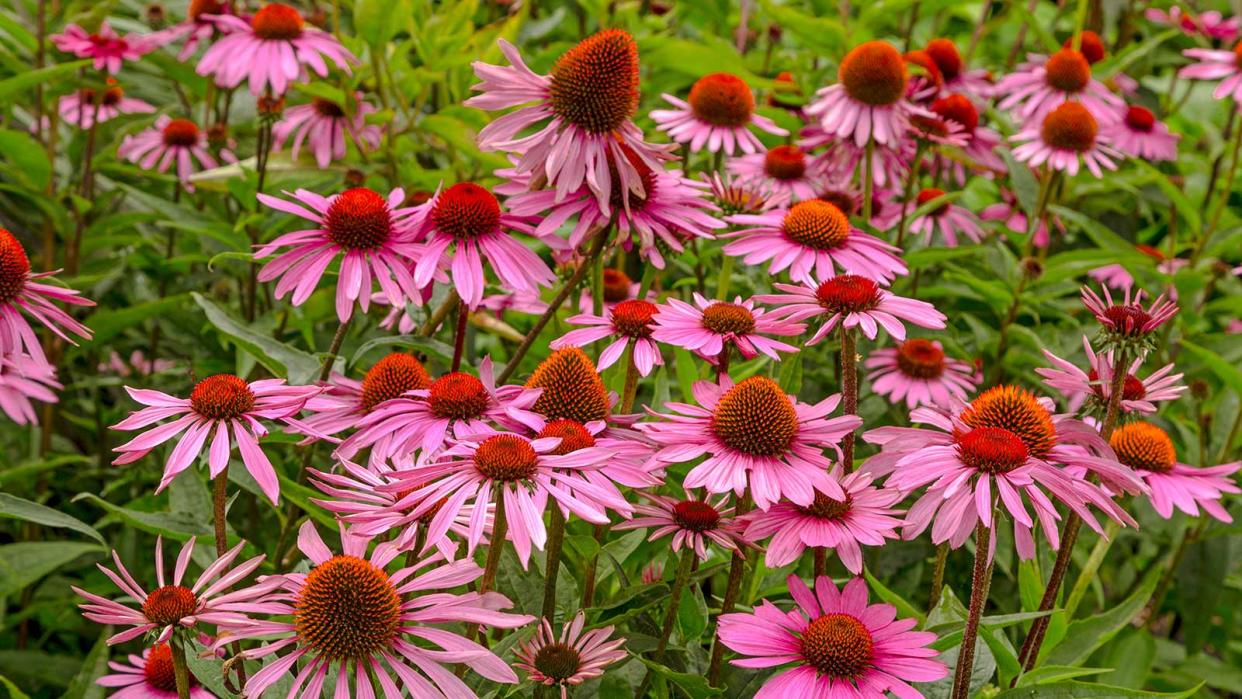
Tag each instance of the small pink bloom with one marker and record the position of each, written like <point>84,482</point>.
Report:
<point>1066,138</point>
<point>692,523</point>
<point>1210,25</point>
<point>947,218</point>
<point>870,101</point>
<point>1010,212</point>
<point>106,47</point>
<point>1043,83</point>
<point>170,141</point>
<point>148,676</point>
<point>783,170</point>
<point>1138,395</point>
<point>573,658</point>
<point>23,379</point>
<point>1139,135</point>
<point>720,110</point>
<point>1148,450</point>
<point>198,27</point>
<point>21,294</point>
<point>1126,317</point>
<point>137,363</point>
<point>709,327</point>
<point>630,323</point>
<point>852,301</point>
<point>86,106</point>
<point>918,372</point>
<point>325,127</point>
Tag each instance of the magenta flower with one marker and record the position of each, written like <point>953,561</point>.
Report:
<point>86,107</point>
<point>809,239</point>
<point>323,126</point>
<point>630,323</point>
<point>1210,25</point>
<point>348,612</point>
<point>21,294</point>
<point>198,27</point>
<point>692,523</point>
<point>136,364</point>
<point>782,171</point>
<point>840,645</point>
<point>1138,395</point>
<point>345,401</point>
<point>865,517</point>
<point>869,102</point>
<point>1126,318</point>
<point>373,238</point>
<point>753,434</point>
<point>171,604</point>
<point>1042,84</point>
<point>975,84</point>
<point>573,658</point>
<point>840,160</point>
<point>734,195</point>
<point>1014,218</point>
<point>170,141</point>
<point>223,407</point>
<point>630,464</point>
<point>148,676</point>
<point>271,51</point>
<point>107,48</point>
<point>709,327</point>
<point>1148,450</point>
<point>1066,138</point>
<point>918,372</point>
<point>720,110</point>
<point>853,302</point>
<point>1214,64</point>
<point>981,142</point>
<point>23,379</point>
<point>947,218</point>
<point>1140,135</point>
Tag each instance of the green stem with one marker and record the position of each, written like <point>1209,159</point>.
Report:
<point>1223,202</point>
<point>906,198</point>
<point>181,671</point>
<point>556,540</point>
<point>1089,569</point>
<point>737,567</point>
<point>630,390</point>
<point>219,499</point>
<point>937,586</point>
<point>849,391</point>
<point>866,202</point>
<point>725,278</point>
<point>670,617</point>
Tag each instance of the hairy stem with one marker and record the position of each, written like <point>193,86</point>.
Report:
<point>556,541</point>
<point>979,583</point>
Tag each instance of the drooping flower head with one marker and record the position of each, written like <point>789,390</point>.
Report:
<point>948,218</point>
<point>88,106</point>
<point>22,294</point>
<point>106,48</point>
<point>1124,322</point>
<point>1042,84</point>
<point>573,658</point>
<point>693,523</point>
<point>326,129</point>
<point>869,101</point>
<point>838,645</point>
<point>852,301</point>
<point>977,83</point>
<point>980,142</point>
<point>345,401</point>
<point>1066,138</point>
<point>710,327</point>
<point>630,323</point>
<point>168,142</point>
<point>733,195</point>
<point>785,170</point>
<point>1139,134</point>
<point>197,27</point>
<point>716,117</point>
<point>1211,24</point>
<point>918,372</point>
<point>23,379</point>
<point>1215,64</point>
<point>570,388</point>
<point>1094,386</point>
<point>148,676</point>
<point>1148,450</point>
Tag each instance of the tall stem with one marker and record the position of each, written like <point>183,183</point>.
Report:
<point>937,586</point>
<point>588,576</point>
<point>980,580</point>
<point>737,567</point>
<point>1225,191</point>
<point>1089,569</point>
<point>849,393</point>
<point>218,501</point>
<point>631,380</point>
<point>670,617</point>
<point>911,178</point>
<point>556,541</point>
<point>181,671</point>
<point>1175,561</point>
<point>725,278</point>
<point>459,339</point>
<point>500,528</point>
<point>867,175</point>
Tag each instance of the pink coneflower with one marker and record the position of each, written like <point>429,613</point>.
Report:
<point>1042,84</point>
<point>573,658</point>
<point>709,327</point>
<point>21,294</point>
<point>981,142</point>
<point>1010,212</point>
<point>1148,450</point>
<point>587,102</point>
<point>841,160</point>
<point>223,407</point>
<point>463,224</point>
<point>172,605</point>
<point>372,236</point>
<point>1210,25</point>
<point>1141,136</point>
<point>809,239</point>
<point>618,287</point>
<point>324,125</point>
<point>756,435</point>
<point>630,464</point>
<point>839,645</point>
<point>864,517</point>
<point>785,170</point>
<point>1125,320</point>
<point>869,102</point>
<point>732,195</point>
<point>936,130</point>
<point>197,27</point>
<point>918,372</point>
<point>1118,277</point>
<point>524,473</point>
<point>976,84</point>
<point>1138,395</point>
<point>169,141</point>
<point>107,48</point>
<point>137,363</point>
<point>86,106</point>
<point>271,51</point>
<point>948,218</point>
<point>350,613</point>
<point>852,301</point>
<point>1067,136</point>
<point>23,379</point>
<point>630,322</point>
<point>720,110</point>
<point>692,523</point>
<point>346,401</point>
<point>148,676</point>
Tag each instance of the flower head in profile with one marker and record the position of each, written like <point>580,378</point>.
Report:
<point>865,517</point>
<point>754,435</point>
<point>1211,24</point>
<point>171,604</point>
<point>325,127</point>
<point>810,239</point>
<point>348,615</point>
<point>88,106</point>
<point>833,644</point>
<point>171,142</point>
<point>734,195</point>
<point>271,51</point>
<point>105,47</point>
<point>1094,386</point>
<point>947,218</point>
<point>709,327</point>
<point>717,116</point>
<point>692,523</point>
<point>371,235</point>
<point>136,364</point>
<point>1148,450</point>
<point>918,372</point>
<point>1043,83</point>
<point>958,78</point>
<point>1215,64</point>
<point>869,100</point>
<point>148,676</point>
<point>785,170</point>
<point>569,388</point>
<point>1140,135</point>
<point>981,142</point>
<point>24,379</point>
<point>1125,322</point>
<point>573,658</point>
<point>630,323</point>
<point>1013,216</point>
<point>345,401</point>
<point>22,294</point>
<point>197,27</point>
<point>224,408</point>
<point>1066,138</point>
<point>852,301</point>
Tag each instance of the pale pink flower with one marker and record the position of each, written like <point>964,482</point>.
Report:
<point>137,363</point>
<point>732,195</point>
<point>1010,212</point>
<point>107,48</point>
<point>1140,135</point>
<point>1066,138</point>
<point>170,141</point>
<point>629,323</point>
<point>692,523</point>
<point>23,379</point>
<point>148,676</point>
<point>1214,64</point>
<point>1138,395</point>
<point>870,101</point>
<point>630,464</point>
<point>1043,83</point>
<point>853,302</point>
<point>1148,450</point>
<point>86,107</point>
<point>22,294</point>
<point>1210,24</point>
<point>784,170</point>
<point>841,160</point>
<point>325,127</point>
<point>717,116</point>
<point>948,218</point>
<point>918,373</point>
<point>573,658</point>
<point>709,327</point>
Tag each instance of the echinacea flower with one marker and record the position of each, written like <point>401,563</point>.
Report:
<point>784,170</point>
<point>841,160</point>
<point>976,84</point>
<point>136,363</point>
<point>271,51</point>
<point>1066,137</point>
<point>981,142</point>
<point>197,27</point>
<point>709,327</point>
<point>170,141</point>
<point>753,435</point>
<point>371,234</point>
<point>569,388</point>
<point>325,127</point>
<point>869,101</point>
<point>1210,24</point>
<point>87,106</point>
<point>918,372</point>
<point>717,115</point>
<point>1011,213</point>
<point>223,407</point>
<point>573,658</point>
<point>1140,135</point>
<point>349,616</point>
<point>852,301</point>
<point>630,323</point>
<point>21,294</point>
<point>692,523</point>
<point>733,195</point>
<point>618,287</point>
<point>1043,83</point>
<point>865,517</point>
<point>587,102</point>
<point>106,48</point>
<point>171,604</point>
<point>345,401</point>
<point>839,645</point>
<point>1214,64</point>
<point>463,224</point>
<point>1138,395</point>
<point>1148,450</point>
<point>23,379</point>
<point>148,676</point>
<point>1124,321</point>
<point>809,239</point>
<point>948,218</point>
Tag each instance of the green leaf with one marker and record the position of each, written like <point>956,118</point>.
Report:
<point>209,671</point>
<point>39,667</point>
<point>1056,673</point>
<point>424,345</point>
<point>1176,194</point>
<point>694,685</point>
<point>18,508</point>
<point>1022,181</point>
<point>110,322</point>
<point>1096,231</point>
<point>295,365</point>
<point>904,608</point>
<point>375,20</point>
<point>1224,370</point>
<point>26,158</point>
<point>14,692</point>
<point>1081,690</point>
<point>173,525</point>
<point>29,79</point>
<point>687,370</point>
<point>1216,674</point>
<point>31,468</point>
<point>1086,635</point>
<point>1200,585</point>
<point>1132,654</point>
<point>93,667</point>
<point>24,563</point>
